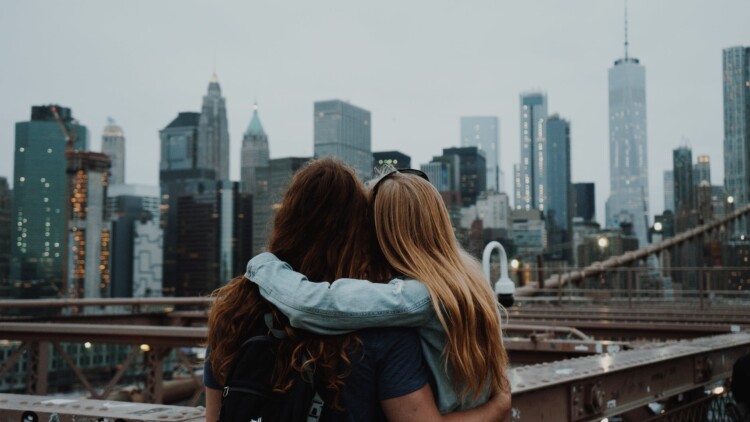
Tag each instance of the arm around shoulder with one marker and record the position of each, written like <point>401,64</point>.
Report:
<point>342,306</point>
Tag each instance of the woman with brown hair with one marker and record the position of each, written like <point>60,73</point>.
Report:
<point>452,304</point>
<point>321,228</point>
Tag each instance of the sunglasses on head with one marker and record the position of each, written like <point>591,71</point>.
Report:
<point>404,171</point>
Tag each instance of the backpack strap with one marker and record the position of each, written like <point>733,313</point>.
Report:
<point>274,331</point>
<point>316,406</point>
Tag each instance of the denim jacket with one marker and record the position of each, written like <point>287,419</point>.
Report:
<point>350,304</point>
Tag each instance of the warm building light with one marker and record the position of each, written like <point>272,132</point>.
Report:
<point>145,348</point>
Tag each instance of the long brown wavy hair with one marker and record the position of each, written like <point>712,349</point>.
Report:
<point>321,229</point>
<point>416,236</point>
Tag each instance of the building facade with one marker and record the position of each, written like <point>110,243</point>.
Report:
<point>736,74</point>
<point>213,132</point>
<point>254,156</point>
<point>439,174</point>
<point>179,175</point>
<point>90,231</point>
<point>483,132</point>
<point>6,198</point>
<point>628,146</point>
<point>130,208</point>
<point>472,172</point>
<point>147,258</point>
<point>669,190</point>
<point>584,201</point>
<point>557,189</point>
<point>493,208</point>
<point>530,174</point>
<point>702,170</point>
<point>113,144</point>
<point>684,187</point>
<point>39,240</point>
<point>279,175</point>
<point>529,232</point>
<point>344,131</point>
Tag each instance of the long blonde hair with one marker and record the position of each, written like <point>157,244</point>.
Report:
<point>416,237</point>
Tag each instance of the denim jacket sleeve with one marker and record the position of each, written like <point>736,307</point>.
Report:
<point>342,306</point>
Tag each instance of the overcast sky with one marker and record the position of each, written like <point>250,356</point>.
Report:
<point>416,65</point>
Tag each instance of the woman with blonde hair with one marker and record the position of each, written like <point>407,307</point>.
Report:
<point>451,304</point>
<point>367,375</point>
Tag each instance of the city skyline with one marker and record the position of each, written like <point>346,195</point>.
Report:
<point>415,83</point>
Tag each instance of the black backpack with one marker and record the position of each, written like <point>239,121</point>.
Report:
<point>248,395</point>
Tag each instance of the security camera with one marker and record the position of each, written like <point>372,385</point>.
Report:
<point>504,287</point>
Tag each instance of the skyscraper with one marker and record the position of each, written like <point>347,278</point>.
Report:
<point>211,237</point>
<point>557,188</point>
<point>628,147</point>
<point>472,172</point>
<point>702,170</point>
<point>669,190</point>
<point>129,208</point>
<point>255,154</point>
<point>113,144</point>
<point>148,255</point>
<point>529,175</point>
<point>179,175</point>
<point>90,234</point>
<point>5,235</point>
<point>344,131</point>
<point>736,66</point>
<point>439,174</point>
<point>584,204</point>
<point>684,187</point>
<point>39,240</point>
<point>279,174</point>
<point>483,132</point>
<point>213,132</point>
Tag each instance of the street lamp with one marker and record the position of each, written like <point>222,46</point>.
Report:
<point>603,243</point>
<point>514,264</point>
<point>504,287</point>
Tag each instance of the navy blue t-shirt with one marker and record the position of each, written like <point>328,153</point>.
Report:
<point>387,365</point>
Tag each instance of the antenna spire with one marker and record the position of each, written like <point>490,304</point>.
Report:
<point>626,29</point>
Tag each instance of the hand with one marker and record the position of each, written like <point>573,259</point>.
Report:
<point>500,400</point>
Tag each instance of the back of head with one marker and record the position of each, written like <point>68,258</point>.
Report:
<point>416,237</point>
<point>321,226</point>
<point>320,229</point>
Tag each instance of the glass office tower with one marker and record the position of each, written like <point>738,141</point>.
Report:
<point>736,66</point>
<point>344,131</point>
<point>213,132</point>
<point>628,146</point>
<point>483,132</point>
<point>530,176</point>
<point>38,243</point>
